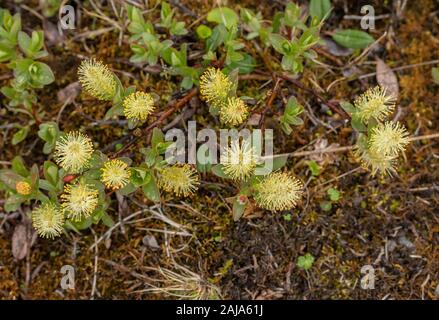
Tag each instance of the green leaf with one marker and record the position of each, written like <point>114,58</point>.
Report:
<point>40,74</point>
<point>165,12</point>
<point>140,176</point>
<point>9,27</point>
<point>115,110</point>
<point>187,83</point>
<point>279,162</point>
<point>92,174</point>
<point>177,28</point>
<point>203,32</point>
<point>51,172</point>
<point>9,178</point>
<point>305,262</point>
<point>348,107</point>
<point>296,121</point>
<point>20,135</point>
<point>320,8</point>
<point>157,137</point>
<point>97,160</point>
<point>19,167</point>
<point>293,107</point>
<point>290,63</point>
<point>13,202</point>
<point>151,191</point>
<point>238,208</point>
<point>137,24</point>
<point>163,146</point>
<point>34,176</point>
<point>83,224</point>
<point>24,42</point>
<point>286,128</point>
<point>334,194</point>
<point>46,185</point>
<point>314,168</point>
<point>223,15</point>
<point>37,41</point>
<point>107,220</point>
<point>150,156</point>
<point>6,53</point>
<point>246,65</point>
<point>219,34</point>
<point>232,75</point>
<point>277,22</point>
<point>49,132</point>
<point>51,7</point>
<point>354,39</point>
<point>326,206</point>
<point>435,75</point>
<point>31,45</point>
<point>292,15</point>
<point>290,116</point>
<point>219,172</point>
<point>357,124</point>
<point>279,43</point>
<point>126,190</point>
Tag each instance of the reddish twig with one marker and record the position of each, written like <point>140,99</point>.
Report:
<point>270,101</point>
<point>331,105</point>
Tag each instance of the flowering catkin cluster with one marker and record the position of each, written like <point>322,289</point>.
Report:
<point>278,191</point>
<point>100,82</point>
<point>73,151</point>
<point>374,104</point>
<point>216,90</point>
<point>179,179</point>
<point>138,106</point>
<point>239,160</point>
<point>80,199</point>
<point>381,147</point>
<point>48,220</point>
<point>97,79</point>
<point>115,174</point>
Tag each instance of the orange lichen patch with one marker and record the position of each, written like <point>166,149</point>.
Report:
<point>420,49</point>
<point>8,285</point>
<point>417,45</point>
<point>414,85</point>
<point>413,24</point>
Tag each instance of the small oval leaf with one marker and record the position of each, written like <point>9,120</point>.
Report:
<point>354,39</point>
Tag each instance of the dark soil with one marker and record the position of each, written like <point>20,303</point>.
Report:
<point>389,223</point>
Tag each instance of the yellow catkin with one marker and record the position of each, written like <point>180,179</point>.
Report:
<point>48,220</point>
<point>278,191</point>
<point>115,174</point>
<point>181,180</point>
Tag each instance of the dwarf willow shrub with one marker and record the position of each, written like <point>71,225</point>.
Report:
<point>380,142</point>
<point>76,183</point>
<point>21,52</point>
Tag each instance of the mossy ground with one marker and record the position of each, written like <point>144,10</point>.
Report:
<point>389,223</point>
